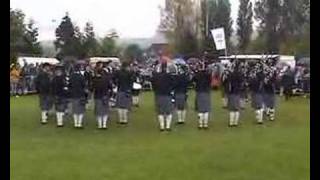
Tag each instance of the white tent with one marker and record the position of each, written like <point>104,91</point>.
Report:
<point>283,60</point>
<point>114,60</point>
<point>35,60</point>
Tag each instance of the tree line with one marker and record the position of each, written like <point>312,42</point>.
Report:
<point>283,27</point>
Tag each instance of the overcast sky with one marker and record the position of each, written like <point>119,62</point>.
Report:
<point>131,18</point>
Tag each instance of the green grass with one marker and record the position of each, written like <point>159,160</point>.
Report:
<point>275,151</point>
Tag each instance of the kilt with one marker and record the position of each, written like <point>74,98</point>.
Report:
<point>256,100</point>
<point>46,102</point>
<point>180,101</point>
<point>79,105</point>
<point>135,92</point>
<point>101,106</point>
<point>124,100</point>
<point>164,104</point>
<point>269,100</point>
<point>60,104</point>
<point>203,102</point>
<point>234,102</point>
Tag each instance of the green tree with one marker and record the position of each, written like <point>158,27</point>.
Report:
<point>108,45</point>
<point>90,44</point>
<point>244,23</point>
<point>31,39</point>
<point>66,39</point>
<point>133,52</point>
<point>23,38</point>
<point>216,14</point>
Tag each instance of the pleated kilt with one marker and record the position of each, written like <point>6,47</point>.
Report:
<point>101,106</point>
<point>256,100</point>
<point>78,105</point>
<point>46,102</point>
<point>203,102</point>
<point>269,100</point>
<point>164,104</point>
<point>60,104</point>
<point>123,100</point>
<point>234,102</point>
<point>180,101</point>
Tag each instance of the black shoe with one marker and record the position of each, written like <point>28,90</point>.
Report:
<point>200,127</point>
<point>168,129</point>
<point>260,123</point>
<point>59,126</point>
<point>161,130</point>
<point>180,122</point>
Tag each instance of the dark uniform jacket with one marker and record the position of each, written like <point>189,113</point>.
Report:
<point>124,80</point>
<point>181,83</point>
<point>203,81</point>
<point>60,86</point>
<point>235,83</point>
<point>101,85</point>
<point>162,83</point>
<point>43,84</point>
<point>256,83</point>
<point>77,85</point>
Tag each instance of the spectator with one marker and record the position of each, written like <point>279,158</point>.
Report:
<point>14,80</point>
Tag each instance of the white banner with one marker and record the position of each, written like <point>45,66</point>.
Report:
<point>219,38</point>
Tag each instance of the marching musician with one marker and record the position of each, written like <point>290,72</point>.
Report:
<point>202,81</point>
<point>124,81</point>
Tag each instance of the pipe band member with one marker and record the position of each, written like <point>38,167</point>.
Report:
<point>269,95</point>
<point>162,84</point>
<point>256,88</point>
<point>78,92</point>
<point>102,89</point>
<point>234,96</point>
<point>202,81</point>
<point>181,92</point>
<point>124,81</point>
<point>136,88</point>
<point>60,93</point>
<point>43,86</point>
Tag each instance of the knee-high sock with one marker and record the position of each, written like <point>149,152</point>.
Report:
<point>75,119</point>
<point>236,117</point>
<point>225,101</point>
<point>125,115</point>
<point>44,116</point>
<point>259,115</point>
<point>120,113</point>
<point>168,121</point>
<point>104,121</point>
<point>59,118</point>
<point>183,115</point>
<point>205,119</point>
<point>99,119</point>
<point>200,115</point>
<point>231,118</point>
<point>80,120</point>
<point>161,121</point>
<point>272,114</point>
<point>179,113</point>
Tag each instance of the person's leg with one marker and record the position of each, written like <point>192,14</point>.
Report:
<point>99,121</point>
<point>200,119</point>
<point>168,121</point>
<point>232,118</point>
<point>104,121</point>
<point>236,118</point>
<point>205,119</point>
<point>161,121</point>
<point>183,115</point>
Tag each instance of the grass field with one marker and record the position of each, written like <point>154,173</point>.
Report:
<point>274,151</point>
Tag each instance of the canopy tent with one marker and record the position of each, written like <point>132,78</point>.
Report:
<point>114,60</point>
<point>282,60</point>
<point>36,60</point>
